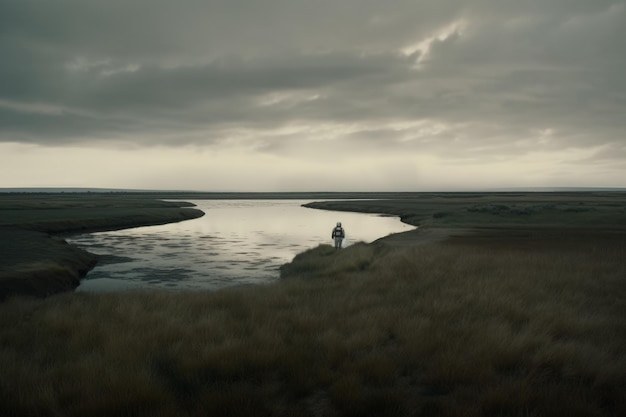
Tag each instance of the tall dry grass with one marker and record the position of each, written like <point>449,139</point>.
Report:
<point>470,327</point>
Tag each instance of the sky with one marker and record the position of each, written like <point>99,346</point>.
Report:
<point>323,95</point>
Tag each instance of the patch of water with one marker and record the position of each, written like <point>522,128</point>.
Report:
<point>237,242</point>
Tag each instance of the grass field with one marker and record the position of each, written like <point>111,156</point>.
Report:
<point>505,321</point>
<point>469,327</point>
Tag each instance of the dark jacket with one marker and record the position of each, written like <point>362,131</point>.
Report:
<point>338,232</point>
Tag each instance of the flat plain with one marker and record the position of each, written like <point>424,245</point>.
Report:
<point>499,304</point>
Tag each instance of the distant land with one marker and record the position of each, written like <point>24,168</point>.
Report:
<point>72,190</point>
<point>556,189</point>
<point>123,190</point>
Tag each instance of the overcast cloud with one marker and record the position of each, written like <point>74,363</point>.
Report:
<point>270,94</point>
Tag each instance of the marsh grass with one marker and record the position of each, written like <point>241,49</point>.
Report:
<point>85,212</point>
<point>489,325</point>
<point>579,210</point>
<point>33,263</point>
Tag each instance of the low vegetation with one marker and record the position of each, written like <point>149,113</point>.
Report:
<point>527,323</point>
<point>604,210</point>
<point>35,263</point>
<point>81,213</point>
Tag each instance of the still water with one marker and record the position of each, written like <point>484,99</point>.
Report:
<point>236,242</point>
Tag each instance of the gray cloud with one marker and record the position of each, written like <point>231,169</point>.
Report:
<point>498,78</point>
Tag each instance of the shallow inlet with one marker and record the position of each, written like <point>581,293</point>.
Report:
<point>237,242</point>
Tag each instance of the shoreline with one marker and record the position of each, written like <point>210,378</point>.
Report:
<point>36,260</point>
<point>69,264</point>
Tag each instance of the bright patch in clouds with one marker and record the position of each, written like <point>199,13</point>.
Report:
<point>424,46</point>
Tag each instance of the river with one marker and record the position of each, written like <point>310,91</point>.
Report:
<point>237,242</point>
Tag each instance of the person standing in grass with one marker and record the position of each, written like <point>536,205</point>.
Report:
<point>338,235</point>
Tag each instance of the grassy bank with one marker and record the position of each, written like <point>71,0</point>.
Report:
<point>88,212</point>
<point>35,260</point>
<point>35,263</point>
<point>604,210</point>
<point>524,325</point>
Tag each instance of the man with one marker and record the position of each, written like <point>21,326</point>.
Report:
<point>338,235</point>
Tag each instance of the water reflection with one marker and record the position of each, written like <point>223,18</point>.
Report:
<point>237,242</point>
